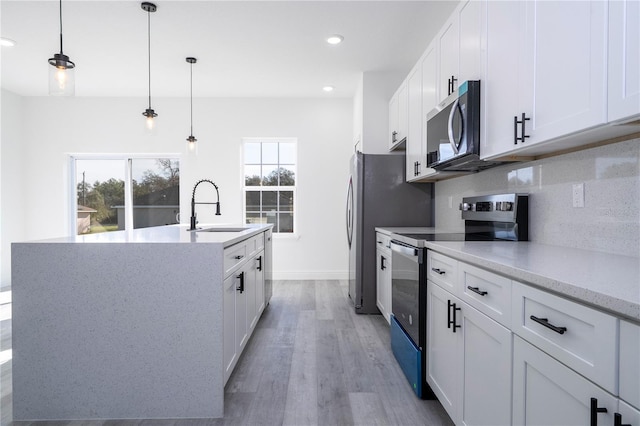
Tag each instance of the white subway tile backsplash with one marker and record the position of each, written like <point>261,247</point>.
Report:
<point>610,219</point>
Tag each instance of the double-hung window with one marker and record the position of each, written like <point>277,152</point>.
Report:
<point>270,182</point>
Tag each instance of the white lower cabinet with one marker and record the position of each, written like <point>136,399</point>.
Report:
<point>627,415</point>
<point>383,275</point>
<point>468,361</point>
<point>244,301</point>
<point>546,392</point>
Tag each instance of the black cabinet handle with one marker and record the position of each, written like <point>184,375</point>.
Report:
<point>451,319</point>
<point>546,323</point>
<point>595,410</point>
<point>515,130</point>
<point>239,257</point>
<point>259,263</point>
<point>477,290</point>
<point>382,265</point>
<point>240,288</point>
<point>438,271</point>
<point>394,136</point>
<point>617,420</point>
<point>417,168</point>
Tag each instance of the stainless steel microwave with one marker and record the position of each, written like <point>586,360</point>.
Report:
<point>453,131</point>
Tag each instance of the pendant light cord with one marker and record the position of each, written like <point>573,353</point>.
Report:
<point>61,27</point>
<point>149,50</point>
<point>191,89</point>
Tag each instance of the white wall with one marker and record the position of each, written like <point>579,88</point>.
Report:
<point>12,208</point>
<point>378,87</point>
<point>55,127</point>
<point>610,219</point>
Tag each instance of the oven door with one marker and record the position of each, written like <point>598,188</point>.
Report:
<point>405,287</point>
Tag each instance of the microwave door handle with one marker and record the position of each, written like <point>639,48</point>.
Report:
<point>452,140</point>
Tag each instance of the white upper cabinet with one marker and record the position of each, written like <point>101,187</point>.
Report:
<point>471,44</point>
<point>414,139</point>
<point>564,68</point>
<point>449,51</point>
<point>624,60</point>
<point>545,72</point>
<point>398,117</point>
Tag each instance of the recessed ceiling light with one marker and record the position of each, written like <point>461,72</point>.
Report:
<point>335,39</point>
<point>328,88</point>
<point>7,42</point>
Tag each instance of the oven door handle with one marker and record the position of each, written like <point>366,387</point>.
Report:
<point>405,250</point>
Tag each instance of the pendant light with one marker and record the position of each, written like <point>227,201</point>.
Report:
<point>149,113</point>
<point>191,139</point>
<point>61,73</point>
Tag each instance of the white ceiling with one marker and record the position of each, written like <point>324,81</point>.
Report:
<point>244,48</point>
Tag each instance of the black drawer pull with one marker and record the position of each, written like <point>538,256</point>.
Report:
<point>438,271</point>
<point>477,290</point>
<point>545,322</point>
<point>617,420</point>
<point>595,410</point>
<point>239,257</point>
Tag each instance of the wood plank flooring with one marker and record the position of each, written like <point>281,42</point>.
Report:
<point>310,361</point>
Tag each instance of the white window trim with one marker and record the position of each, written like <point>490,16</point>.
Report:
<point>126,159</point>
<point>278,235</point>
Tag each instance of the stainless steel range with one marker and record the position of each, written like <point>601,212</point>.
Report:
<point>502,217</point>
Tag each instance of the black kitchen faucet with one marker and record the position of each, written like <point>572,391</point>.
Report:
<point>193,202</point>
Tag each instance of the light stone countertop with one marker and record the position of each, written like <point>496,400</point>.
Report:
<point>606,281</point>
<point>166,234</point>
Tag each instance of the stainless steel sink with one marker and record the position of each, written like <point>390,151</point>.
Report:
<point>221,229</point>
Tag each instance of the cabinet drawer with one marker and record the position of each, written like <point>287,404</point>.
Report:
<point>486,291</point>
<point>580,337</point>
<point>442,270</point>
<point>630,363</point>
<point>383,242</point>
<point>234,256</point>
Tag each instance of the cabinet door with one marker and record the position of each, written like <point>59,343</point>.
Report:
<point>564,82</point>
<point>449,50</point>
<point>545,392</point>
<point>403,111</point>
<point>393,121</point>
<point>504,37</point>
<point>443,363</point>
<point>383,284</point>
<point>630,363</point>
<point>260,267</point>
<point>624,59</point>
<point>487,349</point>
<point>229,347</point>
<point>242,330</point>
<point>470,43</point>
<point>414,155</point>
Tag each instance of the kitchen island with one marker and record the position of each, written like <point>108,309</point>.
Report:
<point>142,324</point>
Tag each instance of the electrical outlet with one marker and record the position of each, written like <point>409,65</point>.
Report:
<point>578,195</point>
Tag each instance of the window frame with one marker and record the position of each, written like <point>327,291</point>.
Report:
<point>127,162</point>
<point>293,188</point>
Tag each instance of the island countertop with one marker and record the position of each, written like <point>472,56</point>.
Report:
<point>168,234</point>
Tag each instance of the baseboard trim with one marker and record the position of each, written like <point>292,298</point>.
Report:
<point>310,275</point>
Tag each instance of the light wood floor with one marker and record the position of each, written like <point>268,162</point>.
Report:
<point>311,361</point>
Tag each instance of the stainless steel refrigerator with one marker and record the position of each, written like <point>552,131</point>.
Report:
<point>377,195</point>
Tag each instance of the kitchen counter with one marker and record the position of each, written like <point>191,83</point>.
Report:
<point>167,234</point>
<point>127,325</point>
<point>606,281</point>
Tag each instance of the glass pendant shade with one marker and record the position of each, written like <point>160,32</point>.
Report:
<point>62,81</point>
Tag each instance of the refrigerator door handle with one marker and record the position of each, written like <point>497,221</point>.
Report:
<point>350,211</point>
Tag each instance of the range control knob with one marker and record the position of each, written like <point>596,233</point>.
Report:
<point>504,206</point>
<point>465,207</point>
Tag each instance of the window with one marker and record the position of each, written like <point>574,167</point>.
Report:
<point>270,182</point>
<point>112,193</point>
